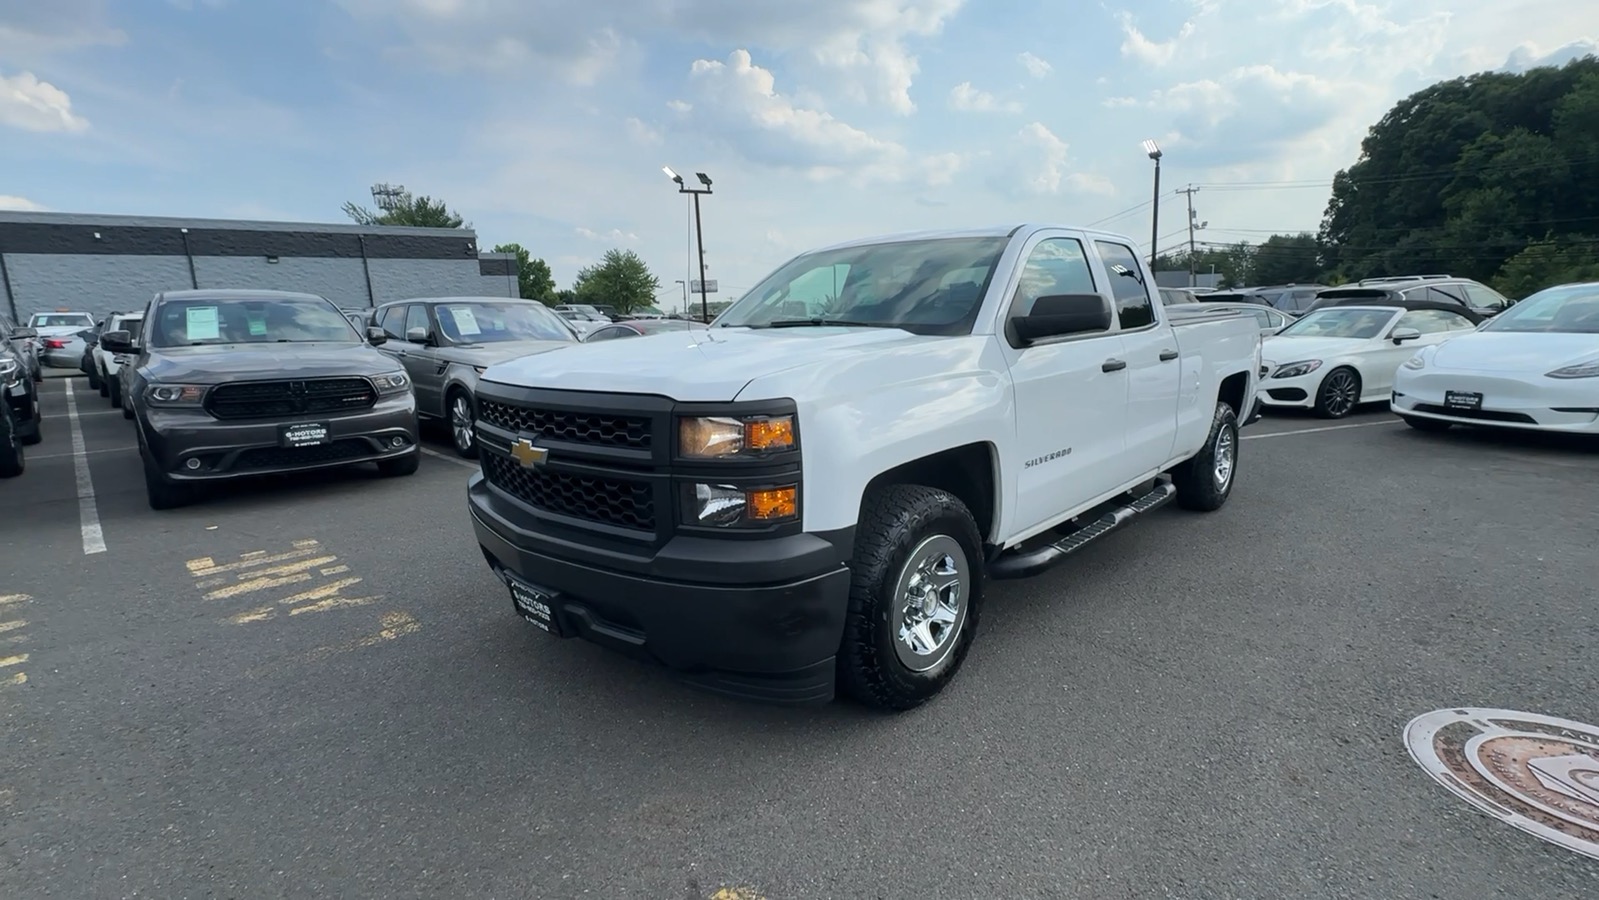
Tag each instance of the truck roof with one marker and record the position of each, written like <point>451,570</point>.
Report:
<point>1011,230</point>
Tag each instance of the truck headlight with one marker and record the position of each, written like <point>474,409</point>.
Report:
<point>10,371</point>
<point>721,437</point>
<point>732,506</point>
<point>174,394</point>
<point>1296,369</point>
<point>391,382</point>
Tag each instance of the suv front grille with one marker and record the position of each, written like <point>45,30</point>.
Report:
<point>622,502</point>
<point>284,457</point>
<point>602,429</point>
<point>268,399</point>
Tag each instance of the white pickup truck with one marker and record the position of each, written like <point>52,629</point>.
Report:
<point>809,495</point>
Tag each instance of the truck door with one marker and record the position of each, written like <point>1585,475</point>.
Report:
<point>1154,372</point>
<point>1071,394</point>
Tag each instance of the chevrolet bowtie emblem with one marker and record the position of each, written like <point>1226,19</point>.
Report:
<point>528,455</point>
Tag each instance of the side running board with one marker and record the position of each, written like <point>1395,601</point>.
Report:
<point>1025,564</point>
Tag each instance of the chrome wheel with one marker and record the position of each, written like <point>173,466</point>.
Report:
<point>461,423</point>
<point>1226,454</point>
<point>1340,393</point>
<point>930,602</point>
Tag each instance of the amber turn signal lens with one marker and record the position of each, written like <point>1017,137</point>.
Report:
<point>776,433</point>
<point>775,503</point>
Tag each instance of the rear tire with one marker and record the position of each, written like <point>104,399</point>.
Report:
<point>916,593</point>
<point>400,466</point>
<point>102,382</point>
<point>1421,424</point>
<point>116,392</point>
<point>95,383</point>
<point>1205,480</point>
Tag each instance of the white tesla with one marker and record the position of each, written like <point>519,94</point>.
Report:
<point>1338,357</point>
<point>1534,366</point>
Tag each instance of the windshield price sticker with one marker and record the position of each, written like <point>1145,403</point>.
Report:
<point>201,324</point>
<point>465,321</point>
<point>257,323</point>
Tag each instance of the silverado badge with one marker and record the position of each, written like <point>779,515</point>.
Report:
<point>528,455</point>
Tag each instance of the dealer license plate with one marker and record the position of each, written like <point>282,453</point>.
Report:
<point>1463,400</point>
<point>304,434</point>
<point>534,605</point>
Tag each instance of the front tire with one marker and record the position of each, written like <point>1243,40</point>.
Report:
<point>12,459</point>
<point>462,418</point>
<point>1204,481</point>
<point>1421,424</point>
<point>1339,393</point>
<point>915,596</point>
<point>116,391</point>
<point>161,493</point>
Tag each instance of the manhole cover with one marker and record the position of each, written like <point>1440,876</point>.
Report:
<point>1538,773</point>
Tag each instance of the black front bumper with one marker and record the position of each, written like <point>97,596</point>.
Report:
<point>20,396</point>
<point>766,627</point>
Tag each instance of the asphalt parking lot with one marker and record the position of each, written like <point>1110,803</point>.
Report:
<point>316,688</point>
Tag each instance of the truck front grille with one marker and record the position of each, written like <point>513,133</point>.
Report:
<point>623,502</point>
<point>602,429</point>
<point>270,399</point>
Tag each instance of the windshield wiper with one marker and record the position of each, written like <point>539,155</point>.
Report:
<point>822,323</point>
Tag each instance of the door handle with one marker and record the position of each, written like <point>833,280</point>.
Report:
<point>1168,355</point>
<point>1113,365</point>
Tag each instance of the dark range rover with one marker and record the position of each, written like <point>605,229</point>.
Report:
<point>225,384</point>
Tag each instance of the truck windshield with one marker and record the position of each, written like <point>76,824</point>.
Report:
<point>182,323</point>
<point>932,286</point>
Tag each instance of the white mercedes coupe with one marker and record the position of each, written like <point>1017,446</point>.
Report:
<point>1535,366</point>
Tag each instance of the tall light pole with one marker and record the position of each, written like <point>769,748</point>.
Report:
<point>1153,150</point>
<point>685,294</point>
<point>699,232</point>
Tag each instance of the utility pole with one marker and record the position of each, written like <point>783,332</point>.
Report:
<point>1193,226</point>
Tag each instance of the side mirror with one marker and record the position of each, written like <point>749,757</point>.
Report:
<point>116,342</point>
<point>1400,335</point>
<point>376,335</point>
<point>417,335</point>
<point>1062,314</point>
<point>24,333</point>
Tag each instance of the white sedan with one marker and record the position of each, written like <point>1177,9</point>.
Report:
<point>1534,366</point>
<point>1339,357</point>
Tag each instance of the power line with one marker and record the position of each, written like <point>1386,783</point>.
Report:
<point>1496,168</point>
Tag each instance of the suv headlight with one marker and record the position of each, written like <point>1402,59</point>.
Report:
<point>1581,370</point>
<point>181,395</point>
<point>391,382</point>
<point>731,437</point>
<point>1296,369</point>
<point>10,370</point>
<point>1416,362</point>
<point>733,506</point>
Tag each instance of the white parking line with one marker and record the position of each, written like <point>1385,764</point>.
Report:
<point>33,456</point>
<point>450,459</point>
<point>88,514</point>
<point>1254,437</point>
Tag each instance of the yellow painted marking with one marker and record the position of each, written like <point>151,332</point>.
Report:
<point>254,615</point>
<point>19,678</point>
<point>304,565</point>
<point>256,584</point>
<point>15,639</point>
<point>211,583</point>
<point>205,566</point>
<point>335,570</point>
<point>395,624</point>
<point>17,660</point>
<point>318,593</point>
<point>309,542</point>
<point>14,598</point>
<point>334,603</point>
<point>12,625</point>
<point>737,893</point>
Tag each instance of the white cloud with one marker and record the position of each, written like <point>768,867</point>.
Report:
<point>33,105</point>
<point>13,203</point>
<point>1048,163</point>
<point>615,235</point>
<point>1153,53</point>
<point>966,98</point>
<point>1119,102</point>
<point>640,132</point>
<point>679,106</point>
<point>1530,56</point>
<point>1035,66</point>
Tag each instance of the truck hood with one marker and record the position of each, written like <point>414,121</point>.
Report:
<point>1511,351</point>
<point>220,363</point>
<point>697,365</point>
<point>500,351</point>
<point>1281,350</point>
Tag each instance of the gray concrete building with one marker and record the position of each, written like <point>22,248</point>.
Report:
<point>98,264</point>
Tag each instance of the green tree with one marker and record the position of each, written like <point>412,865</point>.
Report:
<point>533,278</point>
<point>1547,263</point>
<point>417,212</point>
<point>620,280</point>
<point>1287,259</point>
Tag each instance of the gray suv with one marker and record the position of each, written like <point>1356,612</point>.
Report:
<point>225,384</point>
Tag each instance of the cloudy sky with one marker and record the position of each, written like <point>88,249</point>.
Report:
<point>547,121</point>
